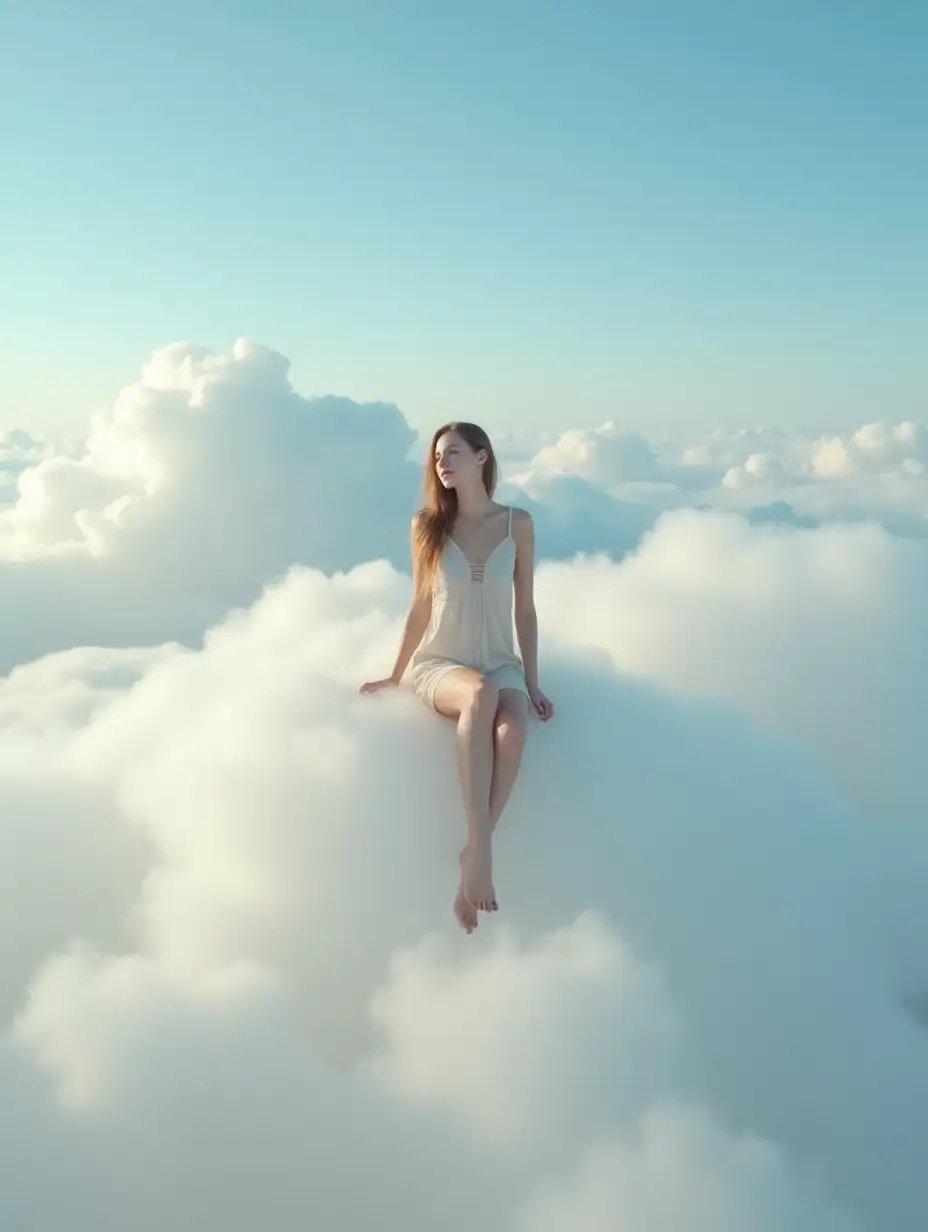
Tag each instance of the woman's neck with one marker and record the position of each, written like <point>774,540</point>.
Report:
<point>473,505</point>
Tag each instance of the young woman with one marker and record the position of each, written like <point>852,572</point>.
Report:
<point>473,564</point>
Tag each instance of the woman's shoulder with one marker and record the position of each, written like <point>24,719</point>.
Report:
<point>422,518</point>
<point>520,518</point>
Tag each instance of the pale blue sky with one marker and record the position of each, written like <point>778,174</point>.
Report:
<point>525,212</point>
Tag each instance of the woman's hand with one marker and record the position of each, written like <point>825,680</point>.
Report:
<point>544,707</point>
<point>374,686</point>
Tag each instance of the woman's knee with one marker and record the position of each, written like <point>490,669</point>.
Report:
<point>484,699</point>
<point>511,719</point>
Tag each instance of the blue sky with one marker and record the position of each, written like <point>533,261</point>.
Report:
<point>669,214</point>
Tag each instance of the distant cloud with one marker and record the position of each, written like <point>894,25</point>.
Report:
<point>780,512</point>
<point>875,447</point>
<point>18,450</point>
<point>210,475</point>
<point>757,470</point>
<point>603,455</point>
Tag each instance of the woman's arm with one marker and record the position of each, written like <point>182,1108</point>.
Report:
<point>526,617</point>
<point>417,620</point>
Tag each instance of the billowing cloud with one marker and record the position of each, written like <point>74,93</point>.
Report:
<point>692,919</point>
<point>231,986</point>
<point>208,476</point>
<point>819,633</point>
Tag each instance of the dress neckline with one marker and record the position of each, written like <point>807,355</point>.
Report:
<point>473,566</point>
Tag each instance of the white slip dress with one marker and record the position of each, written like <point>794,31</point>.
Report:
<point>471,623</point>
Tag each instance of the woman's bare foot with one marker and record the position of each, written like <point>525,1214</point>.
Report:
<point>465,913</point>
<point>477,867</point>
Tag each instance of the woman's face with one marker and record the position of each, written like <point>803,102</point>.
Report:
<point>456,463</point>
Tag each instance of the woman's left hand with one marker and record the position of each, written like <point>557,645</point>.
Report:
<point>544,708</point>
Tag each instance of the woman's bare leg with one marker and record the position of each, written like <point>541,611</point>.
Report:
<point>509,742</point>
<point>472,700</point>
<point>510,725</point>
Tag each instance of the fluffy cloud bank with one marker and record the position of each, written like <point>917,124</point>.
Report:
<point>231,987</point>
<point>260,976</point>
<point>210,474</point>
<point>876,473</point>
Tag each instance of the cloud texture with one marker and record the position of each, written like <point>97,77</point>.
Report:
<point>231,988</point>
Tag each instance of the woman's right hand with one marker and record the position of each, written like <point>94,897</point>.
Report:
<point>374,686</point>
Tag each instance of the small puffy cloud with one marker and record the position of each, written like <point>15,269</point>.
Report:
<point>875,447</point>
<point>711,454</point>
<point>605,455</point>
<point>876,473</point>
<point>758,469</point>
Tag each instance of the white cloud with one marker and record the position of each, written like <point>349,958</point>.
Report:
<point>817,632</point>
<point>757,470</point>
<point>877,473</point>
<point>230,979</point>
<point>875,447</point>
<point>534,1072</point>
<point>208,476</point>
<point>683,1173</point>
<point>571,514</point>
<point>189,1104</point>
<point>604,455</point>
<point>18,450</point>
<point>694,913</point>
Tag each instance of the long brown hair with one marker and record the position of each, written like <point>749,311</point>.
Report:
<point>439,507</point>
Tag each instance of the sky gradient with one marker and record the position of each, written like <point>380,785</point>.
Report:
<point>667,215</point>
